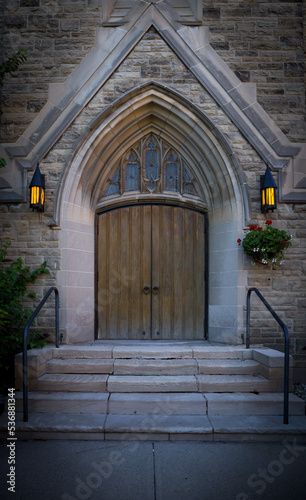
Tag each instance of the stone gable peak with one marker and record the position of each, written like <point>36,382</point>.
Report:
<point>118,12</point>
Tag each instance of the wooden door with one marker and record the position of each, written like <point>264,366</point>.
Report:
<point>150,266</point>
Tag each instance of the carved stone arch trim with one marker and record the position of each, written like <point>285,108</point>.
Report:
<point>152,108</point>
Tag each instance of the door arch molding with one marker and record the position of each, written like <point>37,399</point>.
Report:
<point>154,109</point>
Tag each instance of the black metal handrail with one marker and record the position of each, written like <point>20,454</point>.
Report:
<point>286,333</point>
<point>25,347</point>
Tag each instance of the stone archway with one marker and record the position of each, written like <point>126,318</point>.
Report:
<point>152,109</point>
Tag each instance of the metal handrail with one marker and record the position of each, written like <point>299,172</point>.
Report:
<point>24,344</point>
<point>286,333</point>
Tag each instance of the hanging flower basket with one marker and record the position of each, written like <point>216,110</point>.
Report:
<point>266,245</point>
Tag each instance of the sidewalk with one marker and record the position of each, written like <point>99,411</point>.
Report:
<point>129,470</point>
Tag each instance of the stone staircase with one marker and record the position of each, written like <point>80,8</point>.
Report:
<point>172,390</point>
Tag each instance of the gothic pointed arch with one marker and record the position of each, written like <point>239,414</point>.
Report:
<point>177,125</point>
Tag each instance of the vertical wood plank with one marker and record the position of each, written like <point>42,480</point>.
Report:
<point>188,274</point>
<point>102,264</point>
<point>146,278</point>
<point>178,303</point>
<point>199,278</point>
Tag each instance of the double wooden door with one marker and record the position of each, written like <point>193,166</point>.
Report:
<point>150,273</point>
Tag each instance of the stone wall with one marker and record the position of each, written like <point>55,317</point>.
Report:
<point>263,42</point>
<point>58,34</point>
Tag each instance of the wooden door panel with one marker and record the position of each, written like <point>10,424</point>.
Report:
<point>155,246</point>
<point>124,268</point>
<point>178,271</point>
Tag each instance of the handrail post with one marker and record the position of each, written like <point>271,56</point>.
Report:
<point>287,344</point>
<point>247,336</point>
<point>25,346</point>
<point>286,377</point>
<point>56,317</point>
<point>25,375</point>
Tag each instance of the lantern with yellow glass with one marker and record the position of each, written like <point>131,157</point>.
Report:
<point>268,192</point>
<point>37,191</point>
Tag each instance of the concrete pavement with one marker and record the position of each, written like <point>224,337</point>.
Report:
<point>133,470</point>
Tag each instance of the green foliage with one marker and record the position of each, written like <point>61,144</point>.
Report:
<point>266,245</point>
<point>12,63</point>
<point>14,280</point>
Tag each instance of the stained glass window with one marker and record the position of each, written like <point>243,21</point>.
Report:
<point>113,188</point>
<point>142,169</point>
<point>188,184</point>
<point>151,166</point>
<point>171,175</point>
<point>131,174</point>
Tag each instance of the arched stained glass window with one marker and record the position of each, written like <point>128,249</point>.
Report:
<point>189,187</point>
<point>113,187</point>
<point>171,175</point>
<point>152,165</point>
<point>131,174</point>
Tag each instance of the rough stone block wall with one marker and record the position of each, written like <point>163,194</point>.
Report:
<point>58,34</point>
<point>264,42</point>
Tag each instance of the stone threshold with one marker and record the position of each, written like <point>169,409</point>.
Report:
<point>239,428</point>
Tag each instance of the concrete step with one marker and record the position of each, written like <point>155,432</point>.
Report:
<point>155,367</point>
<point>265,403</point>
<point>161,403</point>
<point>240,428</point>
<point>235,383</point>
<point>179,351</point>
<point>64,402</point>
<point>148,383</point>
<point>184,366</point>
<point>157,403</point>
<point>189,383</point>
<point>228,367</point>
<point>69,383</point>
<point>104,351</point>
<point>77,365</point>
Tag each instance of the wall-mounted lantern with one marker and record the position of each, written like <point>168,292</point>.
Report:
<point>37,191</point>
<point>268,189</point>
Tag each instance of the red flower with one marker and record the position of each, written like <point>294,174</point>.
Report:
<point>239,241</point>
<point>268,222</point>
<point>284,242</point>
<point>252,227</point>
<point>259,229</point>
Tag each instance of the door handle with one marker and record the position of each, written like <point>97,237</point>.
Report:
<point>146,290</point>
<point>155,290</point>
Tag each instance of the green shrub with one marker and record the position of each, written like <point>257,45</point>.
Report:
<point>14,280</point>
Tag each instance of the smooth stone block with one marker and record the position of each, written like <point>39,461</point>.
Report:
<point>235,383</point>
<point>158,351</point>
<point>270,357</point>
<point>65,402</point>
<point>157,403</point>
<point>252,404</point>
<point>155,367</point>
<point>131,383</point>
<point>228,366</point>
<point>83,351</point>
<point>217,352</point>
<point>70,382</point>
<point>80,366</point>
<point>187,424</point>
<point>228,424</point>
